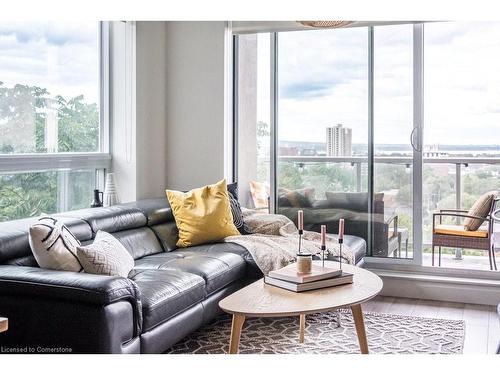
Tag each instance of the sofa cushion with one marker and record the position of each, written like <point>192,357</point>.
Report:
<point>217,268</point>
<point>110,219</point>
<point>139,242</point>
<point>156,261</point>
<point>459,230</point>
<point>252,270</point>
<point>166,293</point>
<point>348,201</point>
<point>296,198</point>
<point>357,246</point>
<point>351,201</point>
<point>156,210</point>
<point>315,217</point>
<point>167,234</point>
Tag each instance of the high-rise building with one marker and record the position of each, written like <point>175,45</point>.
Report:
<point>347,150</point>
<point>338,141</point>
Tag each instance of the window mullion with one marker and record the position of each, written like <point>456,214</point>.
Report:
<point>418,123</point>
<point>274,123</point>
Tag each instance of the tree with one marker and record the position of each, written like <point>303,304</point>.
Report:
<point>263,134</point>
<point>78,125</point>
<point>21,118</point>
<point>22,129</point>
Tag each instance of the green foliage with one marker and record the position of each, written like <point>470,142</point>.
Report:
<point>290,176</point>
<point>439,190</point>
<point>20,112</point>
<point>263,133</point>
<point>23,113</point>
<point>78,125</point>
<point>27,194</point>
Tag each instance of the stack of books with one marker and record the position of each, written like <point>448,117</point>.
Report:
<point>319,277</point>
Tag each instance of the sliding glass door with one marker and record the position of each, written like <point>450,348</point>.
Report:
<point>337,128</point>
<point>395,140</point>
<point>462,96</point>
<point>326,124</point>
<point>322,128</point>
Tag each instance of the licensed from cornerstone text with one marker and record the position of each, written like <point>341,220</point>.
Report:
<point>33,349</point>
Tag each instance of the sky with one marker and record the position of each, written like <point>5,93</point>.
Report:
<point>322,77</point>
<point>323,81</point>
<point>59,56</point>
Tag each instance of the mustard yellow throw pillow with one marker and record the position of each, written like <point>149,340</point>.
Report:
<point>202,215</point>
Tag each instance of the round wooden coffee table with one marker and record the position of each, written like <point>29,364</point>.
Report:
<point>261,300</point>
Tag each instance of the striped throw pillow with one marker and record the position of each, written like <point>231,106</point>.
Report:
<point>238,220</point>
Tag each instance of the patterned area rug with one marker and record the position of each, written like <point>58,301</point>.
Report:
<point>387,334</point>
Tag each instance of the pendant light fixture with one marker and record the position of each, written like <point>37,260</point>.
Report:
<point>325,24</point>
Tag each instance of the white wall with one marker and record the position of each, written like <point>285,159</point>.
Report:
<point>195,103</point>
<point>172,93</point>
<point>138,108</point>
<point>122,125</point>
<point>151,109</point>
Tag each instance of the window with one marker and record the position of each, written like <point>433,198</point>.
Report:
<point>349,107</point>
<point>322,88</point>
<point>254,119</point>
<point>462,96</point>
<point>51,115</point>
<point>393,124</point>
<point>323,123</point>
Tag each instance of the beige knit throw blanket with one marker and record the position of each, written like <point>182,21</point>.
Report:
<point>274,241</point>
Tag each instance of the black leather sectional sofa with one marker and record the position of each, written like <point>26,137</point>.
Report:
<point>170,293</point>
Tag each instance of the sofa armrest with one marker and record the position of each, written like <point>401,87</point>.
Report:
<point>71,286</point>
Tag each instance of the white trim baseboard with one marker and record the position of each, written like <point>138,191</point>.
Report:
<point>440,288</point>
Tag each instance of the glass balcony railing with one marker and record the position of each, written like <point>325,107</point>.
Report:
<point>447,182</point>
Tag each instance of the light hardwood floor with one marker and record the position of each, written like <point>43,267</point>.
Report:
<point>482,327</point>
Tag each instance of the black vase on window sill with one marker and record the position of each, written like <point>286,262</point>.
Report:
<point>97,202</point>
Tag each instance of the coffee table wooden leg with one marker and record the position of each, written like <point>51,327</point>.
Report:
<point>236,326</point>
<point>357,314</point>
<point>4,324</point>
<point>302,327</point>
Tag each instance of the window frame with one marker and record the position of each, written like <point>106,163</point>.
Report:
<point>99,161</point>
<point>403,266</point>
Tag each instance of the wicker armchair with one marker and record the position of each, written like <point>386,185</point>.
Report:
<point>456,236</point>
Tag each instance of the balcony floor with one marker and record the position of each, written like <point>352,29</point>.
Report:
<point>472,262</point>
